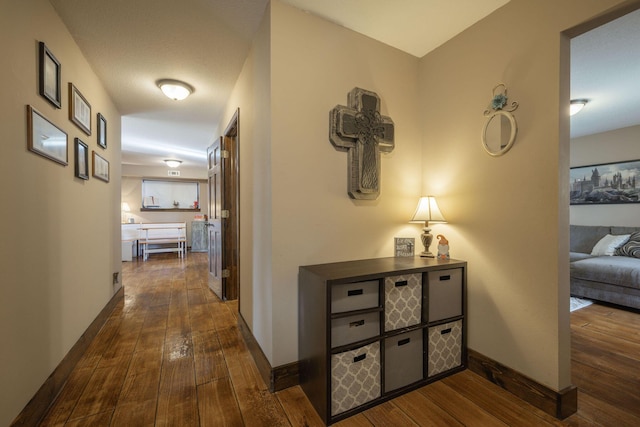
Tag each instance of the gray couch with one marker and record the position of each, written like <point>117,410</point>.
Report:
<point>614,279</point>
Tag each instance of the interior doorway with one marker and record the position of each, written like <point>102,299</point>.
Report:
<point>224,212</point>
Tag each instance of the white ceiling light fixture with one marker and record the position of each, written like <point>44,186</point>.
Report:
<point>175,89</point>
<point>173,163</point>
<point>577,105</point>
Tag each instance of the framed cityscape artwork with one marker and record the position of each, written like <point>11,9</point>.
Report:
<point>605,184</point>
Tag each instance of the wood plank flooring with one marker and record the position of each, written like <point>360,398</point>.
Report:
<point>172,355</point>
<point>605,366</point>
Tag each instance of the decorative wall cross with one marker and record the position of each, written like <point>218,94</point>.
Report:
<point>363,133</point>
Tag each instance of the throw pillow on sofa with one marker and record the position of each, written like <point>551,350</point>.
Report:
<point>608,244</point>
<point>631,248</point>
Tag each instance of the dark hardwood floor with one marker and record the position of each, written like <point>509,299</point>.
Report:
<point>172,354</point>
<point>605,366</point>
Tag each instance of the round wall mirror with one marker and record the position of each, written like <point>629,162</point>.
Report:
<point>499,132</point>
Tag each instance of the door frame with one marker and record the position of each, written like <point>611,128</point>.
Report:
<point>231,181</point>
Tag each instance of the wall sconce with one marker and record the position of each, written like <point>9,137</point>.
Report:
<point>427,211</point>
<point>577,105</point>
<point>173,163</point>
<point>175,89</point>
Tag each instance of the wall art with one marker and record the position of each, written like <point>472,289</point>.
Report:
<point>606,183</point>
<point>364,133</point>
<point>45,138</point>
<point>102,130</point>
<point>79,109</point>
<point>82,159</point>
<point>100,167</point>
<point>50,71</point>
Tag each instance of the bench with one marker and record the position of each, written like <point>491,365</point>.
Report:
<point>161,237</point>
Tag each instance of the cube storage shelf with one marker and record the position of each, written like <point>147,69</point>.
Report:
<point>371,330</point>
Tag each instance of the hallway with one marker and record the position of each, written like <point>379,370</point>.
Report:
<point>172,355</point>
<point>168,356</point>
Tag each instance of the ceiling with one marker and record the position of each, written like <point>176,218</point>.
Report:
<point>605,65</point>
<point>132,44</point>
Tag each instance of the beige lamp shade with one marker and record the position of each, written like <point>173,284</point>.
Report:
<point>125,207</point>
<point>428,211</point>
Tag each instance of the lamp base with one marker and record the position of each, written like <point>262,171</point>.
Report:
<point>426,238</point>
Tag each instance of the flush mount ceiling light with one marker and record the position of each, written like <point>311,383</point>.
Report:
<point>577,105</point>
<point>173,163</point>
<point>175,89</point>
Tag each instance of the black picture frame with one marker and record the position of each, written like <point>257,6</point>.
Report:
<point>50,72</point>
<point>102,131</point>
<point>79,109</point>
<point>605,183</point>
<point>100,167</point>
<point>45,138</point>
<point>82,159</point>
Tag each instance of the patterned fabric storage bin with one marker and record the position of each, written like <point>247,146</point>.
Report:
<point>445,347</point>
<point>403,301</point>
<point>403,359</point>
<point>355,377</point>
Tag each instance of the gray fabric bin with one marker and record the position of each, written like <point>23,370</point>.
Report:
<point>350,329</point>
<point>355,296</point>
<point>403,360</point>
<point>444,294</point>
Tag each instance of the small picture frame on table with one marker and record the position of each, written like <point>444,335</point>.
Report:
<point>82,159</point>
<point>100,167</point>
<point>50,71</point>
<point>79,110</point>
<point>102,131</point>
<point>404,246</point>
<point>45,138</point>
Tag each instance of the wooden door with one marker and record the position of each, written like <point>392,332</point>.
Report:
<point>215,223</point>
<point>224,213</point>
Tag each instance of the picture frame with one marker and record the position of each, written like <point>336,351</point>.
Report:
<point>79,109</point>
<point>50,72</point>
<point>605,183</point>
<point>404,246</point>
<point>82,159</point>
<point>45,138</point>
<point>100,167</point>
<point>102,131</point>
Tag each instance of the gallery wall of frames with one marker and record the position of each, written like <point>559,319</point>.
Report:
<point>47,139</point>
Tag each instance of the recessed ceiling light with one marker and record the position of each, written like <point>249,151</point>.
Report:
<point>577,105</point>
<point>175,89</point>
<point>173,163</point>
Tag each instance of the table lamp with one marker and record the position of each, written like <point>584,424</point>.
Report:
<point>427,211</point>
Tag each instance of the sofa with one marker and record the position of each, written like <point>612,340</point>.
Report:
<point>605,264</point>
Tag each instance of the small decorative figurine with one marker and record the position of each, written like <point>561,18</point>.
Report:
<point>443,247</point>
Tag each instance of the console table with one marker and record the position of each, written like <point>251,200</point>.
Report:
<point>371,330</point>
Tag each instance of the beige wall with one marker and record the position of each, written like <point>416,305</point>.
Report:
<point>614,146</point>
<point>252,96</point>
<point>508,215</point>
<point>314,65</point>
<point>60,235</point>
<point>294,204</point>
